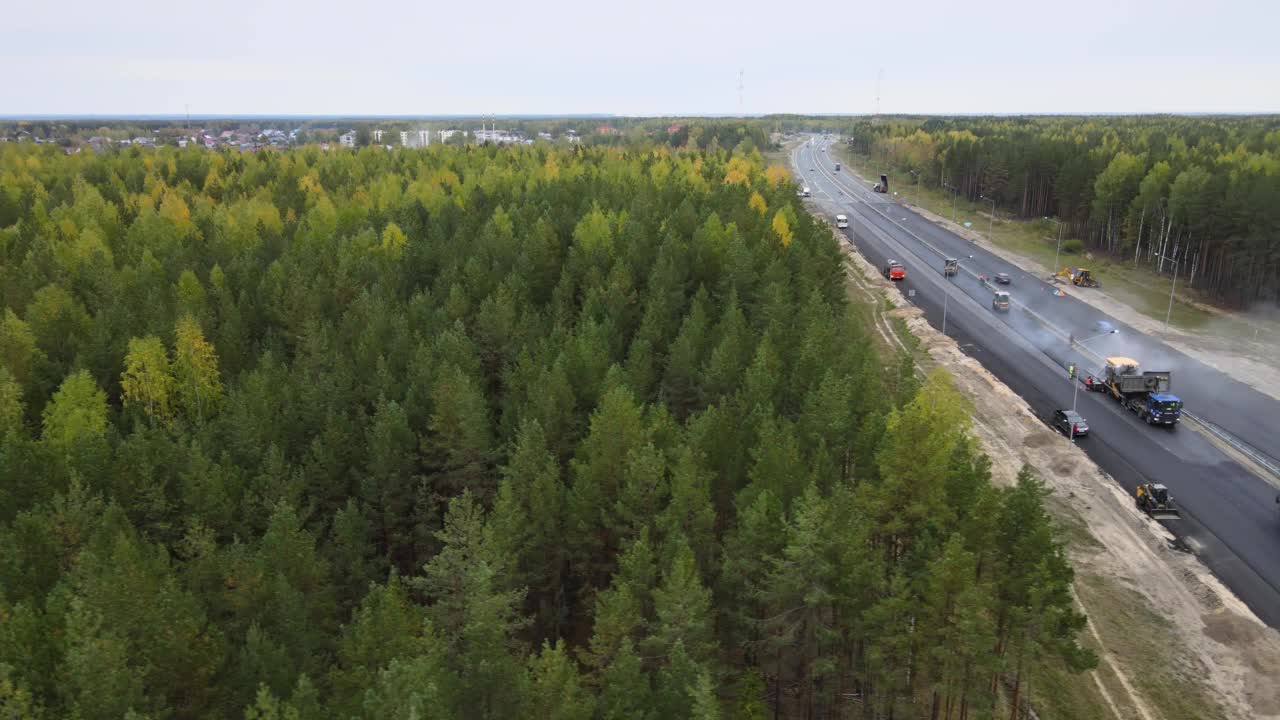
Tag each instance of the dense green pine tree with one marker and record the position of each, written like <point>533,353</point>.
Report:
<point>493,432</point>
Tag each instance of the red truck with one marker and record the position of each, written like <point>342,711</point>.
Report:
<point>894,270</point>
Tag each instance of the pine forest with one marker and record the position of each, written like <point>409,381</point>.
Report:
<point>564,432</point>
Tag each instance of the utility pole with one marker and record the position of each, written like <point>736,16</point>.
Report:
<point>1057,252</point>
<point>1075,382</point>
<point>1168,313</point>
<point>879,74</point>
<point>740,110</point>
<point>955,195</point>
<point>946,297</point>
<point>991,218</point>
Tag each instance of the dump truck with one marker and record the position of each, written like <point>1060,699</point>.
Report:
<point>883,185</point>
<point>950,267</point>
<point>1154,499</point>
<point>893,270</point>
<point>1145,393</point>
<point>1080,277</point>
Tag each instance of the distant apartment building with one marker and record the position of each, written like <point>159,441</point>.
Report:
<point>415,138</point>
<point>446,134</point>
<point>347,139</point>
<point>498,137</point>
<point>377,135</point>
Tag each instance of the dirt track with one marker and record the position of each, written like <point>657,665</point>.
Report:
<point>1211,641</point>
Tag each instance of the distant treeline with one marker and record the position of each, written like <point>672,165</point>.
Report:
<point>1203,192</point>
<point>482,432</point>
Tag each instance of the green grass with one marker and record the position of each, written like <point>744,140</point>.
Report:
<point>907,337</point>
<point>1072,527</point>
<point>1142,642</point>
<point>777,157</point>
<point>1063,695</point>
<point>1143,290</point>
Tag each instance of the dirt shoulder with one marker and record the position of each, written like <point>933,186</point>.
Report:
<point>1172,641</point>
<point>1228,343</point>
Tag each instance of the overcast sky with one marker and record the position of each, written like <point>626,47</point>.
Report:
<point>657,58</point>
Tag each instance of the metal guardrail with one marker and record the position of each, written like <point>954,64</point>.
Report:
<point>1244,448</point>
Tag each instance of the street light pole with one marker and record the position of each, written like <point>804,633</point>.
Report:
<point>1169,312</point>
<point>1075,380</point>
<point>1075,391</point>
<point>946,297</point>
<point>1057,252</point>
<point>991,219</point>
<point>1081,343</point>
<point>917,174</point>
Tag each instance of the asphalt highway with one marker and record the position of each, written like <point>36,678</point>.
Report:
<point>1231,520</point>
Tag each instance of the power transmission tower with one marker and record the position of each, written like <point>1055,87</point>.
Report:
<point>879,74</point>
<point>740,110</point>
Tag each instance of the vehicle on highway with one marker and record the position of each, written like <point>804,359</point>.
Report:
<point>1069,422</point>
<point>837,167</point>
<point>950,267</point>
<point>842,221</point>
<point>805,191</point>
<point>1002,279</point>
<point>882,186</point>
<point>1154,499</point>
<point>1144,393</point>
<point>893,270</point>
<point>1000,301</point>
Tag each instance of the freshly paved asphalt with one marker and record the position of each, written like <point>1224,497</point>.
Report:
<point>1230,516</point>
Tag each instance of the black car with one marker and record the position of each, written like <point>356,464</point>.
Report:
<point>1002,279</point>
<point>1065,420</point>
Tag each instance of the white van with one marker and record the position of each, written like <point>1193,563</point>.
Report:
<point>842,221</point>
<point>805,191</point>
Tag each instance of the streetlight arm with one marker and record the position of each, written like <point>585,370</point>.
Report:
<point>1095,337</point>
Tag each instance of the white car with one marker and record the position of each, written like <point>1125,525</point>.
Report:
<point>842,221</point>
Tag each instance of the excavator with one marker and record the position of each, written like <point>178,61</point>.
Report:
<point>1154,499</point>
<point>1080,277</point>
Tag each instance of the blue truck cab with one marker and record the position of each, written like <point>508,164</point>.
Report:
<point>1163,409</point>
